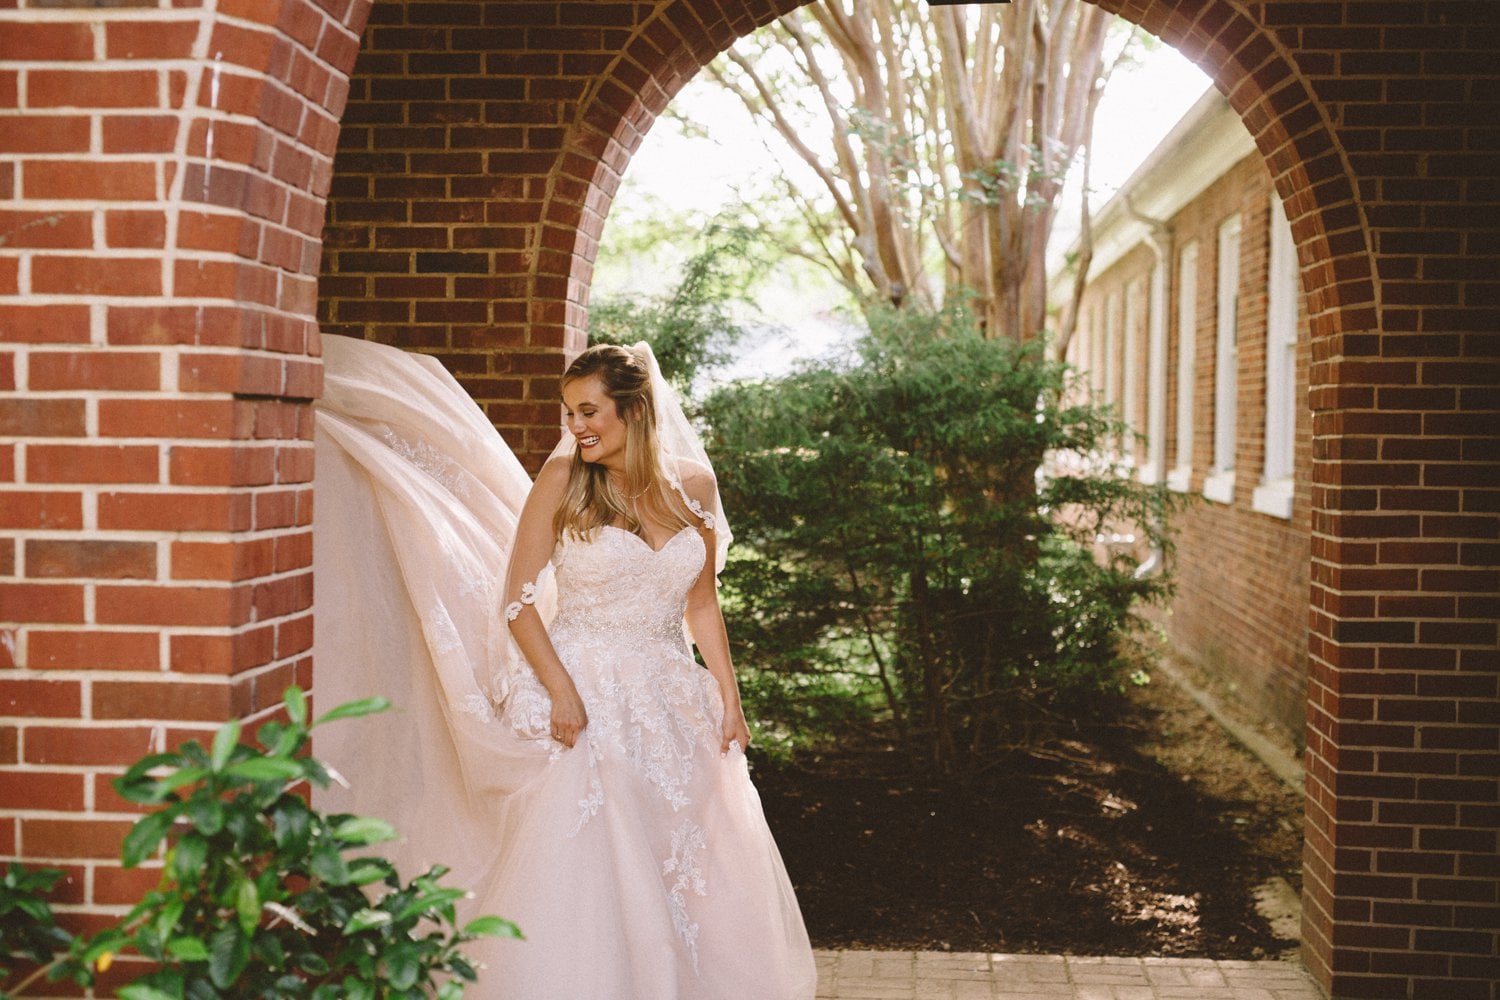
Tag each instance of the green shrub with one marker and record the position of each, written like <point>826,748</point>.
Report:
<point>263,896</point>
<point>27,928</point>
<point>903,516</point>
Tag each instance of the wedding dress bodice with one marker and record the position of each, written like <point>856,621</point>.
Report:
<point>619,631</point>
<point>616,586</point>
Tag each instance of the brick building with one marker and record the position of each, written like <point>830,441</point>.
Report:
<point>166,169</point>
<point>1192,329</point>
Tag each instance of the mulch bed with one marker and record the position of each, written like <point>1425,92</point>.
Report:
<point>1146,835</point>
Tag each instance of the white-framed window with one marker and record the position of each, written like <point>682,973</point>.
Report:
<point>1130,408</point>
<point>1111,349</point>
<point>1156,372</point>
<point>1219,485</point>
<point>1181,476</point>
<point>1274,494</point>
<point>1096,352</point>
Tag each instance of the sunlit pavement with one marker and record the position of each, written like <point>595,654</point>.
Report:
<point>923,975</point>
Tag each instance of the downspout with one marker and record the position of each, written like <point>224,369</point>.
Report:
<point>1156,433</point>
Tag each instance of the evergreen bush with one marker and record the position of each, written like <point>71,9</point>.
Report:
<point>921,519</point>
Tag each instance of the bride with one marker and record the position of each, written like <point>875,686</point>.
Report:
<point>555,743</point>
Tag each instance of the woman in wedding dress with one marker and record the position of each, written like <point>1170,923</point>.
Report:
<point>588,779</point>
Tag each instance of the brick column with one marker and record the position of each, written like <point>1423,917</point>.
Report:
<point>162,173</point>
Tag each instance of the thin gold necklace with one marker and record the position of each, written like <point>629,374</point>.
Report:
<point>637,496</point>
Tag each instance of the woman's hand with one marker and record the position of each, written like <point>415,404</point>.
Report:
<point>735,728</point>
<point>568,716</point>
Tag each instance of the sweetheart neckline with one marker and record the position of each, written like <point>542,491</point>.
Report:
<point>649,547</point>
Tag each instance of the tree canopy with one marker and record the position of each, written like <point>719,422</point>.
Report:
<point>938,136</point>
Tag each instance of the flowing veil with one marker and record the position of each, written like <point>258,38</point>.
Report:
<point>417,499</point>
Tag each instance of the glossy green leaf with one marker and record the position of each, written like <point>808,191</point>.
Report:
<point>354,709</point>
<point>177,779</point>
<point>188,856</point>
<point>291,824</point>
<point>199,988</point>
<point>141,991</point>
<point>139,769</point>
<point>265,769</point>
<point>366,919</point>
<point>229,951</point>
<point>168,917</point>
<point>296,705</point>
<point>143,838</point>
<point>329,865</point>
<point>365,830</point>
<point>279,740</point>
<point>225,740</point>
<point>193,753</point>
<point>188,949</point>
<point>207,814</point>
<point>491,926</point>
<point>136,784</point>
<point>111,940</point>
<point>247,905</point>
<point>363,871</point>
<point>315,772</point>
<point>401,966</point>
<point>430,901</point>
<point>358,989</point>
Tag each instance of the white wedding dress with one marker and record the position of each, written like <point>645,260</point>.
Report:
<point>638,863</point>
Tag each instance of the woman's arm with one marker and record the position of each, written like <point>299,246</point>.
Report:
<point>705,620</point>
<point>533,549</point>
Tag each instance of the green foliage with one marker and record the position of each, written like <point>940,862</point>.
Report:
<point>27,930</point>
<point>693,327</point>
<point>897,525</point>
<point>263,896</point>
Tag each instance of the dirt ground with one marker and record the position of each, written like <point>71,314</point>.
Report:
<point>1145,836</point>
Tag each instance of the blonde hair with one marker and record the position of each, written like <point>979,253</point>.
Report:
<point>592,500</point>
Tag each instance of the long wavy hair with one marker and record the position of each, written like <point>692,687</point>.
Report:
<point>592,499</point>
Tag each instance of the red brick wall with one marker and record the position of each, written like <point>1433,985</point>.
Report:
<point>1240,608</point>
<point>1378,122</point>
<point>162,169</point>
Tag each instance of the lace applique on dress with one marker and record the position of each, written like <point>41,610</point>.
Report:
<point>479,707</point>
<point>528,596</point>
<point>588,806</point>
<point>436,463</point>
<point>694,506</point>
<point>688,845</point>
<point>442,634</point>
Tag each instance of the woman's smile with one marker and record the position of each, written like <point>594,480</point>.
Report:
<point>594,421</point>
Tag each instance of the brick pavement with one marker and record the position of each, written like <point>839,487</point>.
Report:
<point>907,975</point>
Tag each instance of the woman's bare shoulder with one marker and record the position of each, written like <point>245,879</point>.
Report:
<point>697,480</point>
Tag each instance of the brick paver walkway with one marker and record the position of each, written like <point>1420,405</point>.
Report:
<point>923,975</point>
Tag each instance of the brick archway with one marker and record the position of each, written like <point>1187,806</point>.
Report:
<point>166,170</point>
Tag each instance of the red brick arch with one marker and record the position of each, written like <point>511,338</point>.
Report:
<point>157,313</point>
<point>1250,63</point>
